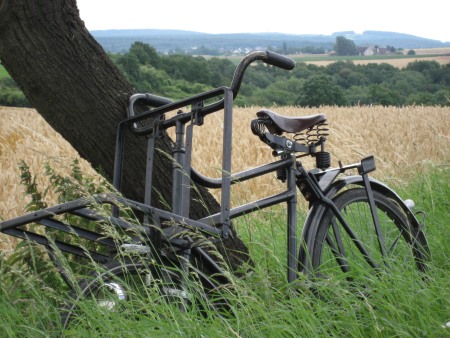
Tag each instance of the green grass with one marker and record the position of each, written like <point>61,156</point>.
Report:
<point>264,305</point>
<point>3,72</point>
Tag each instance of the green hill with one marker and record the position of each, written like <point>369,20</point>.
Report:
<point>177,40</point>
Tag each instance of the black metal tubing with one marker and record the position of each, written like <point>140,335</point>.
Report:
<point>155,212</point>
<point>376,220</point>
<point>45,213</point>
<point>182,118</point>
<point>80,232</point>
<point>251,207</point>
<point>178,121</point>
<point>225,205</point>
<point>242,176</point>
<point>223,97</point>
<point>64,247</point>
<point>115,221</point>
<point>80,208</point>
<point>184,187</point>
<point>267,57</point>
<point>218,271</point>
<point>328,203</point>
<point>292,223</point>
<point>77,207</point>
<point>196,115</point>
<point>178,172</point>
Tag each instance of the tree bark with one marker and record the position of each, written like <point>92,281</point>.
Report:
<point>68,78</point>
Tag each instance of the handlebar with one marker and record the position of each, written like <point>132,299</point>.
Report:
<point>147,99</point>
<point>270,58</point>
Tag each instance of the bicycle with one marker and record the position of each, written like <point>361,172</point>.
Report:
<point>355,223</point>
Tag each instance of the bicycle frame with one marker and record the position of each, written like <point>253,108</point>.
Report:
<point>183,172</point>
<point>316,183</point>
<point>218,224</point>
<point>317,186</point>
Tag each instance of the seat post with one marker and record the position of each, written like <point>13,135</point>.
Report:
<point>292,222</point>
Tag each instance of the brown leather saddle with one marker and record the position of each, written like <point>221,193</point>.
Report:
<point>283,124</point>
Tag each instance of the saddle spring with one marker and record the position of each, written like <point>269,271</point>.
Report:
<point>258,126</point>
<point>314,134</point>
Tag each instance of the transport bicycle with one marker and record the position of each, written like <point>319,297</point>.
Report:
<point>355,223</point>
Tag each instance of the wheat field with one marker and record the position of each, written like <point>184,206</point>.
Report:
<point>396,62</point>
<point>405,141</point>
<point>440,55</point>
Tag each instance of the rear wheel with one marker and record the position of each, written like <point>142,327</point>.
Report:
<point>358,249</point>
<point>117,286</point>
<point>134,287</point>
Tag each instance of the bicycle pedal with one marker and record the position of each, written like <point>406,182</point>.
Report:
<point>135,248</point>
<point>173,292</point>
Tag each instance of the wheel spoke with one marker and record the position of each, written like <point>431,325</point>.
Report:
<point>339,250</point>
<point>358,243</point>
<point>394,243</point>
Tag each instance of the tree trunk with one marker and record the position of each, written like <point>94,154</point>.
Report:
<point>71,82</point>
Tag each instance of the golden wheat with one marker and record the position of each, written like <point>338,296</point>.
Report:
<point>24,135</point>
<point>404,141</point>
<point>397,62</point>
<point>425,51</point>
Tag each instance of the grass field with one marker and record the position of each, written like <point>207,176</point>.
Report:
<point>411,145</point>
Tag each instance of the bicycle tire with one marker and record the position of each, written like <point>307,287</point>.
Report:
<point>133,280</point>
<point>335,252</point>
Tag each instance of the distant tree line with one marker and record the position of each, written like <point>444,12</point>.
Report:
<point>341,83</point>
<point>11,95</point>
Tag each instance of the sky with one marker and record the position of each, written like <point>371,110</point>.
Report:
<point>427,19</point>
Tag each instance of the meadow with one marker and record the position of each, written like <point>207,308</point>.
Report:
<point>3,72</point>
<point>411,147</point>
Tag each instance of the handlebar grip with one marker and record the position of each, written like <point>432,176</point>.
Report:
<point>154,100</point>
<point>279,61</point>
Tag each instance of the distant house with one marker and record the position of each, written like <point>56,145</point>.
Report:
<point>372,50</point>
<point>366,51</point>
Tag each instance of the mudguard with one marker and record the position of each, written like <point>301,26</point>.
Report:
<point>318,208</point>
